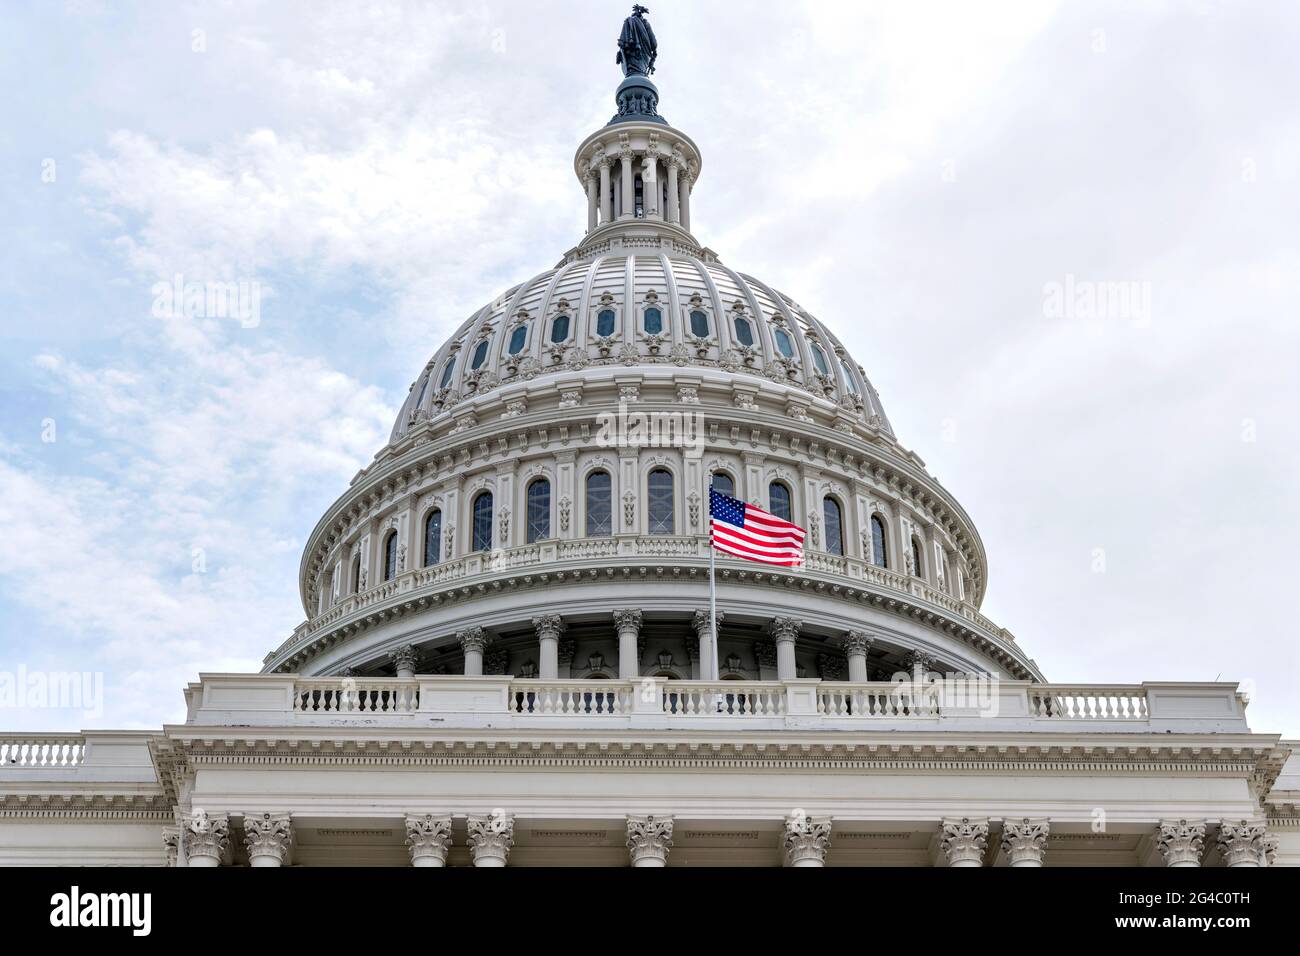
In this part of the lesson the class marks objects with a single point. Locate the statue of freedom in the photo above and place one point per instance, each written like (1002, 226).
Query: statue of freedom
(637, 46)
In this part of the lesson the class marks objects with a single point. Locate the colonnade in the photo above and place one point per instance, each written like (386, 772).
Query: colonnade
(806, 840)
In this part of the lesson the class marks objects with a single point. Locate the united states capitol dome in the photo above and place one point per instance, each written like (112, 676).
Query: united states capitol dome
(508, 529)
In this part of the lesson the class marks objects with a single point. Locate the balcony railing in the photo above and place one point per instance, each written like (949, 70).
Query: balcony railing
(977, 703)
(562, 555)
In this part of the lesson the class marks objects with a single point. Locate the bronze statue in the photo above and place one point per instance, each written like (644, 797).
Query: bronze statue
(637, 46)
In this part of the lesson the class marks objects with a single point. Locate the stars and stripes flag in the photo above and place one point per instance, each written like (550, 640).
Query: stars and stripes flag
(748, 532)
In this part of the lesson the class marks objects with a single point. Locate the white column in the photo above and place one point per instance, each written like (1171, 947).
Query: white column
(705, 633)
(606, 197)
(650, 185)
(649, 839)
(1244, 843)
(686, 200)
(268, 837)
(806, 840)
(490, 839)
(964, 841)
(404, 660)
(428, 838)
(206, 839)
(628, 623)
(592, 207)
(785, 632)
(674, 194)
(549, 627)
(629, 186)
(1025, 841)
(473, 642)
(1181, 842)
(856, 645)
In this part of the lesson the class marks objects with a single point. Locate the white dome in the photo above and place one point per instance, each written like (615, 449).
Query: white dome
(591, 311)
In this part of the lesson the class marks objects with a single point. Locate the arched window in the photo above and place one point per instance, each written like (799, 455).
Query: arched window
(433, 538)
(539, 510)
(446, 373)
(660, 502)
(849, 381)
(819, 359)
(480, 355)
(605, 323)
(560, 329)
(724, 484)
(482, 530)
(356, 574)
(778, 501)
(744, 332)
(699, 324)
(654, 322)
(783, 342)
(600, 505)
(390, 556)
(918, 560)
(834, 525)
(424, 387)
(879, 549)
(518, 339)
(639, 197)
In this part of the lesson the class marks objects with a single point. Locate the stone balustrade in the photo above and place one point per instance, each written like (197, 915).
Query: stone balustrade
(974, 704)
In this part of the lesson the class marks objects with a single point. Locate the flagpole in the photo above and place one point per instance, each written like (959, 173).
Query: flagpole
(713, 602)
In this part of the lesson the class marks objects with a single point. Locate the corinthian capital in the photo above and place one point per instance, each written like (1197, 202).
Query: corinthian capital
(627, 619)
(649, 839)
(268, 837)
(549, 625)
(701, 622)
(1025, 841)
(786, 629)
(964, 841)
(473, 639)
(206, 835)
(1181, 841)
(405, 657)
(490, 839)
(856, 642)
(806, 840)
(428, 838)
(1243, 843)
(172, 844)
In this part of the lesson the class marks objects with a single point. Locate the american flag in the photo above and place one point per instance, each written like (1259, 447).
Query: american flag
(752, 533)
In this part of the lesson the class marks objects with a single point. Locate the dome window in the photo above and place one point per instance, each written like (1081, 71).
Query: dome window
(744, 332)
(848, 378)
(518, 339)
(654, 322)
(480, 355)
(390, 557)
(539, 511)
(834, 526)
(783, 343)
(560, 329)
(661, 502)
(819, 359)
(446, 373)
(723, 484)
(433, 539)
(918, 561)
(699, 324)
(600, 502)
(482, 530)
(605, 323)
(778, 500)
(424, 387)
(879, 552)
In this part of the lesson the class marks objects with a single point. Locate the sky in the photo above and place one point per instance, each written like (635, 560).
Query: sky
(957, 189)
